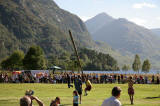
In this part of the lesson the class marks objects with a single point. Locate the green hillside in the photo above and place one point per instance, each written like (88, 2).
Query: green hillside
(41, 22)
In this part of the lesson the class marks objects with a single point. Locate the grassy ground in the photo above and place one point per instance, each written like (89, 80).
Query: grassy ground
(145, 95)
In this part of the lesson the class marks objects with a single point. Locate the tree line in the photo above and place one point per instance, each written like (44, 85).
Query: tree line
(136, 66)
(35, 59)
(89, 60)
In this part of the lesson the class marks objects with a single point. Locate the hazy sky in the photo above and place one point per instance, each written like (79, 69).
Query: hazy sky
(142, 12)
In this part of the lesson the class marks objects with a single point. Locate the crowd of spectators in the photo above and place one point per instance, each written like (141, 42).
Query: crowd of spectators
(28, 77)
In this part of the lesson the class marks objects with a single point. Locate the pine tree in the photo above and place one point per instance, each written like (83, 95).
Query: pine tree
(126, 67)
(13, 62)
(34, 59)
(136, 66)
(146, 66)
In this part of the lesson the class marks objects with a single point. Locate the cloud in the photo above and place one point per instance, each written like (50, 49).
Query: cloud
(139, 21)
(158, 18)
(142, 5)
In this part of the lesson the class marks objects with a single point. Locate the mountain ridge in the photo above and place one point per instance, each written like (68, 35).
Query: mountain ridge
(103, 18)
(156, 31)
(42, 22)
(130, 39)
(32, 22)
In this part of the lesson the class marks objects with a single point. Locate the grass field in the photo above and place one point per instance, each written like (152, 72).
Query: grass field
(145, 95)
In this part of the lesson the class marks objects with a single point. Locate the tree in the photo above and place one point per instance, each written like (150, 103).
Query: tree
(53, 61)
(146, 66)
(5, 64)
(74, 65)
(13, 62)
(126, 67)
(34, 59)
(98, 61)
(136, 66)
(64, 56)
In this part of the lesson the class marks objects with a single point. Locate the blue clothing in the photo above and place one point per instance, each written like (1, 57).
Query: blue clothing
(75, 100)
(78, 84)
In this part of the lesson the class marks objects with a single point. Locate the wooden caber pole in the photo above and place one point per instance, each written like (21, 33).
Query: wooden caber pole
(75, 50)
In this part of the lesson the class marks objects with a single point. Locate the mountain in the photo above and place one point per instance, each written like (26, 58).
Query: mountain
(41, 22)
(156, 31)
(27, 22)
(129, 39)
(98, 22)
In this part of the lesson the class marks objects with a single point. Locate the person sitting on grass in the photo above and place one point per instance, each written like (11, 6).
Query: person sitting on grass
(55, 102)
(75, 98)
(88, 86)
(27, 101)
(113, 101)
(130, 89)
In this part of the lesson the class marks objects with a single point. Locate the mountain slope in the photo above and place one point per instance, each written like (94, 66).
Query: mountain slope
(130, 39)
(98, 22)
(126, 36)
(41, 22)
(156, 31)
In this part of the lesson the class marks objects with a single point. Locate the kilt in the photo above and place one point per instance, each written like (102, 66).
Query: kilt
(79, 92)
(131, 91)
(88, 88)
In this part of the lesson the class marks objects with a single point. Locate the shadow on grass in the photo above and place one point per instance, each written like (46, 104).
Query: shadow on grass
(152, 97)
(4, 100)
(126, 104)
(66, 104)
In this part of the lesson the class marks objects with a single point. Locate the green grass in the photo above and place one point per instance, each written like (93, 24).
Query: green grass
(10, 94)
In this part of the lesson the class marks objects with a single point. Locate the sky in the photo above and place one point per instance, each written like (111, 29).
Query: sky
(142, 12)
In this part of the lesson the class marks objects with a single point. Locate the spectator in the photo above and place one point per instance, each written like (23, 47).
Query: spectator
(119, 79)
(27, 77)
(27, 101)
(113, 101)
(75, 98)
(146, 80)
(69, 81)
(55, 102)
(157, 80)
(153, 79)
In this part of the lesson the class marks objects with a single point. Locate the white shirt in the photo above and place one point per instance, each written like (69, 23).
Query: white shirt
(112, 101)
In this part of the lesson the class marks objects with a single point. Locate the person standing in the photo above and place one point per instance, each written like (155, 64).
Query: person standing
(157, 80)
(113, 100)
(69, 81)
(119, 79)
(130, 89)
(78, 86)
(75, 98)
(152, 79)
